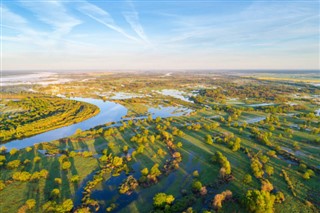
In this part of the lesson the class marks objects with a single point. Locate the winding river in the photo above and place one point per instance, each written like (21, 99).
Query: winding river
(109, 112)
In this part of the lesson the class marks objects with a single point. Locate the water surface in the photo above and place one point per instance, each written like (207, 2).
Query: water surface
(109, 112)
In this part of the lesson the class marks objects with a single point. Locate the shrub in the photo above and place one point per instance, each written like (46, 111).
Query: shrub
(196, 186)
(66, 165)
(160, 200)
(247, 179)
(36, 159)
(21, 176)
(75, 178)
(55, 192)
(219, 198)
(13, 164)
(58, 180)
(13, 151)
(31, 203)
(259, 201)
(195, 174)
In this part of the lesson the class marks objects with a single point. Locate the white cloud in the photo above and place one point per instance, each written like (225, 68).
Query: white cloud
(132, 17)
(103, 17)
(53, 13)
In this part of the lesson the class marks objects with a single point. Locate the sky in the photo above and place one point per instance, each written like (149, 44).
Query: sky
(159, 34)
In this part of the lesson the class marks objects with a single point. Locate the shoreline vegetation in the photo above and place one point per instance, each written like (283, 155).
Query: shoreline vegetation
(35, 115)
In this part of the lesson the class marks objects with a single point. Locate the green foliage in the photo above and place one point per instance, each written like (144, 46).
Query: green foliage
(160, 200)
(196, 186)
(259, 201)
(55, 192)
(21, 176)
(208, 139)
(58, 180)
(145, 171)
(269, 169)
(31, 203)
(66, 165)
(195, 174)
(87, 154)
(247, 179)
(2, 185)
(256, 167)
(39, 114)
(308, 174)
(236, 145)
(13, 164)
(225, 164)
(28, 149)
(36, 159)
(129, 185)
(13, 151)
(117, 161)
(2, 159)
(155, 170)
(287, 179)
(75, 178)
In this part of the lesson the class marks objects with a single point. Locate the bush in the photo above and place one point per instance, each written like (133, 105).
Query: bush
(75, 178)
(21, 176)
(58, 180)
(247, 179)
(160, 200)
(259, 201)
(31, 203)
(13, 151)
(13, 164)
(145, 171)
(36, 159)
(66, 165)
(308, 174)
(55, 192)
(196, 186)
(219, 198)
(195, 174)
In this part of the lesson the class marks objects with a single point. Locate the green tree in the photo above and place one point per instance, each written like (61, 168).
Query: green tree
(55, 192)
(196, 186)
(160, 200)
(117, 161)
(31, 203)
(209, 139)
(247, 179)
(58, 180)
(259, 201)
(66, 165)
(13, 151)
(155, 170)
(28, 149)
(269, 170)
(145, 171)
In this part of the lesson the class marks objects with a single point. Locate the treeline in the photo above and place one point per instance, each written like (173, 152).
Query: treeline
(35, 115)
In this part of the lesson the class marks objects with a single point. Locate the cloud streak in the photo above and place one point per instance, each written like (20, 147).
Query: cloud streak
(132, 17)
(53, 13)
(103, 17)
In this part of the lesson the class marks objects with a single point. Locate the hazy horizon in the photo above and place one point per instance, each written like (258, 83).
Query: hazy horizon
(150, 35)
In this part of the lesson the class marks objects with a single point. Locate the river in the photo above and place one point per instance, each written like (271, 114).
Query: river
(109, 112)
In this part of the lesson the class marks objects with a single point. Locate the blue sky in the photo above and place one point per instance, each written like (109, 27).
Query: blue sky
(204, 34)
